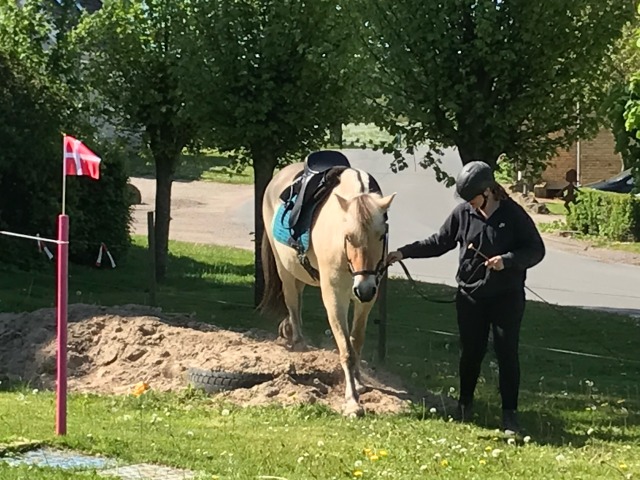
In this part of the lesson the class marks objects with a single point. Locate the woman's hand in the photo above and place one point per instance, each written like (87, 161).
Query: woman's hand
(495, 263)
(393, 257)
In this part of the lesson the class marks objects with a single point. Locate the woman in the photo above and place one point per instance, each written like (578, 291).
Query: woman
(498, 243)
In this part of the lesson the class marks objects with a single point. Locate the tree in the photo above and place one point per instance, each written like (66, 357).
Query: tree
(520, 78)
(137, 64)
(278, 73)
(623, 100)
(40, 99)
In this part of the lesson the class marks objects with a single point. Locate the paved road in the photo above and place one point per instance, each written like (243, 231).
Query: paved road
(422, 204)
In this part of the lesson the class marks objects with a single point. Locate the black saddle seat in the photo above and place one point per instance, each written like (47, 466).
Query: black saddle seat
(311, 186)
(323, 160)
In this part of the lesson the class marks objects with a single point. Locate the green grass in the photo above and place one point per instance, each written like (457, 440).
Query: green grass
(354, 135)
(592, 240)
(556, 208)
(211, 166)
(207, 165)
(581, 412)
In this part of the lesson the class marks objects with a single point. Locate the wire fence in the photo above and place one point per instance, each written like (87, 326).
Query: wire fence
(230, 297)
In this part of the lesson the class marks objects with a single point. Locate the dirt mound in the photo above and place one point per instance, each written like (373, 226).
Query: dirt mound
(113, 348)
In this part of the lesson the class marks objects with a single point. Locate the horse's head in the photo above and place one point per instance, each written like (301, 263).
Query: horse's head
(365, 240)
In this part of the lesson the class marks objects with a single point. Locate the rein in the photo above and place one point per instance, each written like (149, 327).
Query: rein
(414, 286)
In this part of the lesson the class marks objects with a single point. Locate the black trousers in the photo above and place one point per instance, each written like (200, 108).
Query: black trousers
(475, 316)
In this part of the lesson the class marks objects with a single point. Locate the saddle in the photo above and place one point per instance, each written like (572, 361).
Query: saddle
(311, 187)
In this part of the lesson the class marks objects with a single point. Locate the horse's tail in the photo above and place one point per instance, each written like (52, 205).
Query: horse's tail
(272, 298)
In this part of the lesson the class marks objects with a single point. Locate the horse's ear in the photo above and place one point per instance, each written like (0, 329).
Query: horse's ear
(344, 203)
(385, 202)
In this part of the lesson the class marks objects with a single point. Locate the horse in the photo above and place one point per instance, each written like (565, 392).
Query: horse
(344, 255)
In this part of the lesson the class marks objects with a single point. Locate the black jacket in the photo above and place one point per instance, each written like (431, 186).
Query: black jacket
(509, 232)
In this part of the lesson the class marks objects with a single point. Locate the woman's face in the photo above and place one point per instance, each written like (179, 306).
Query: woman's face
(477, 201)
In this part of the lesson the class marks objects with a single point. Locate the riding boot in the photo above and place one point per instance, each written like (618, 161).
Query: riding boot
(510, 423)
(464, 412)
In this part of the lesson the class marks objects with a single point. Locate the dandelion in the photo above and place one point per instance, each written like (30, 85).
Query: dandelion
(423, 468)
(357, 463)
(225, 412)
(495, 453)
(383, 453)
(590, 431)
(320, 443)
(560, 458)
(487, 448)
(444, 463)
(622, 466)
(374, 458)
(357, 473)
(482, 461)
(367, 451)
(432, 410)
(527, 439)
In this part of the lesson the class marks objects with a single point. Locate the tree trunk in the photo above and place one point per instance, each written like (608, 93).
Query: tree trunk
(263, 166)
(165, 165)
(335, 133)
(470, 151)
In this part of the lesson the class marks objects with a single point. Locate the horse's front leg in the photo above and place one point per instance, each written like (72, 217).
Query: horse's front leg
(358, 331)
(336, 302)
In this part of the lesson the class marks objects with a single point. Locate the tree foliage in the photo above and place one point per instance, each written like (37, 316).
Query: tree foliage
(137, 63)
(623, 102)
(521, 78)
(39, 101)
(277, 74)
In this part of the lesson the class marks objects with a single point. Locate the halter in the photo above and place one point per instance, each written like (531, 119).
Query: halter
(381, 267)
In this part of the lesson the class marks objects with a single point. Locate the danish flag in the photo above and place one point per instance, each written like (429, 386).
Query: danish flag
(79, 160)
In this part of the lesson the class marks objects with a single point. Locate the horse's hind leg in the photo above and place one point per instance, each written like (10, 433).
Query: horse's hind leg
(358, 331)
(337, 305)
(290, 328)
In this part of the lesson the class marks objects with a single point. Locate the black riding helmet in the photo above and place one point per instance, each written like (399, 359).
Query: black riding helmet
(474, 178)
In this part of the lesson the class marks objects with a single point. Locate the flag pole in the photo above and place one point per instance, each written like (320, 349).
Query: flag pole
(61, 307)
(64, 175)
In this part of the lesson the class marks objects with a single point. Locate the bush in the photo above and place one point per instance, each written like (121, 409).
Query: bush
(614, 216)
(30, 178)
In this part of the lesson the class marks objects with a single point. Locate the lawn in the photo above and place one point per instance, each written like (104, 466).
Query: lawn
(210, 165)
(580, 409)
(207, 165)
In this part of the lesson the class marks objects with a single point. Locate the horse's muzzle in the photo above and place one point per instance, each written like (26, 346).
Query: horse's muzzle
(365, 292)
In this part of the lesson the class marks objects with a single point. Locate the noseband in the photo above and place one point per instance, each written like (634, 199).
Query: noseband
(380, 267)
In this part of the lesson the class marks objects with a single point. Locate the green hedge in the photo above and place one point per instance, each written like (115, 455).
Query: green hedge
(614, 216)
(31, 173)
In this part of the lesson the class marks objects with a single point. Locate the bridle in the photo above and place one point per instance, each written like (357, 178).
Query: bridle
(381, 267)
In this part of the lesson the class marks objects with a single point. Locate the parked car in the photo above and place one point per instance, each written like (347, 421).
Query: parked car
(621, 183)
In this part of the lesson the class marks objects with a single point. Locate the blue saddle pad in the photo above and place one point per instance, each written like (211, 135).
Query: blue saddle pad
(281, 231)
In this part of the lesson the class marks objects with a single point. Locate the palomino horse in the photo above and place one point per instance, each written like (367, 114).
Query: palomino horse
(344, 254)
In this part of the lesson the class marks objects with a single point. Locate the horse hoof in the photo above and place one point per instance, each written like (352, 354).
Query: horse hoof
(285, 330)
(283, 342)
(353, 410)
(299, 347)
